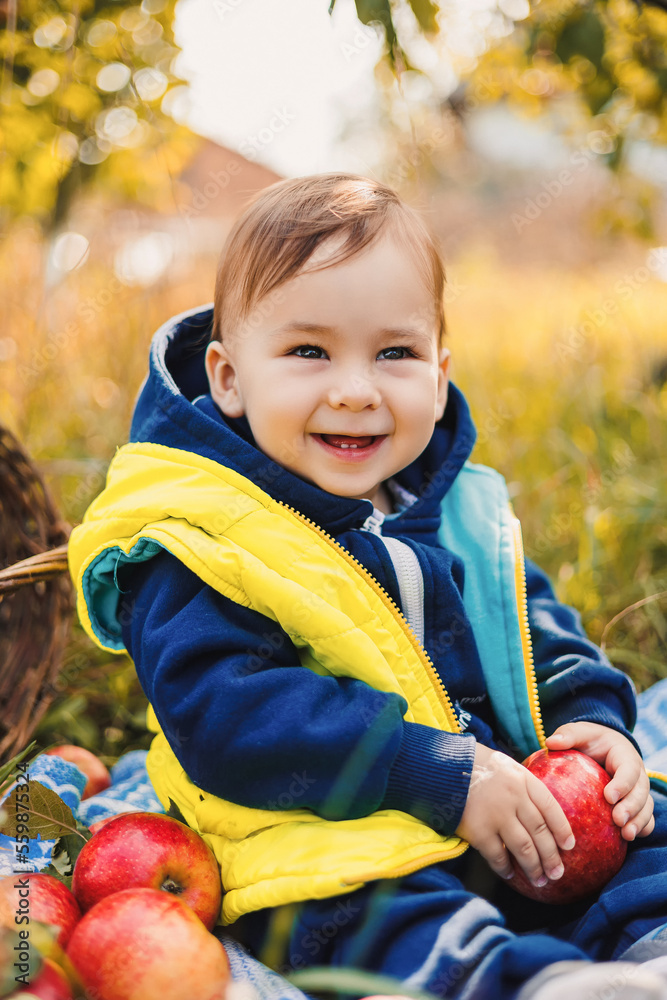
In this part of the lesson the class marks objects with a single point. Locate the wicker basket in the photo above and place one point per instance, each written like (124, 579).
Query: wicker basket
(36, 598)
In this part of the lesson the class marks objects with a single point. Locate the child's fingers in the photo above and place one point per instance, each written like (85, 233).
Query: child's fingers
(521, 844)
(496, 856)
(542, 858)
(629, 787)
(632, 805)
(649, 828)
(562, 738)
(551, 812)
(639, 822)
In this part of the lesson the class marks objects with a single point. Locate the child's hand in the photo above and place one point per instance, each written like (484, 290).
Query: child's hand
(629, 786)
(510, 810)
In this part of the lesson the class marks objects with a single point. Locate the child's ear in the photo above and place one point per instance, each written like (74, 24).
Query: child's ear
(443, 382)
(223, 380)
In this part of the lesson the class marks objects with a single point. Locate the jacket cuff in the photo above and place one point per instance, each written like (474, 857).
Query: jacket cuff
(591, 710)
(430, 776)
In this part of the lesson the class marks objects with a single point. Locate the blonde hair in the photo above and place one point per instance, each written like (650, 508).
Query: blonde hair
(284, 225)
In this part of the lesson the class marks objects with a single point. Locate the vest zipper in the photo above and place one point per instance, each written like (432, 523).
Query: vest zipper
(391, 604)
(410, 583)
(524, 630)
(408, 573)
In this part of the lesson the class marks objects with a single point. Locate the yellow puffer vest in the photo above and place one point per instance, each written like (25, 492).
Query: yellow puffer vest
(267, 557)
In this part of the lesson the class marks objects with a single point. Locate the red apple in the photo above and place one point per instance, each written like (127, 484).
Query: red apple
(51, 983)
(152, 851)
(143, 944)
(577, 782)
(94, 827)
(93, 768)
(40, 897)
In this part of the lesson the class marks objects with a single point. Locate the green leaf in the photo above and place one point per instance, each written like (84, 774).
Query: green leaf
(369, 11)
(67, 849)
(47, 814)
(321, 978)
(582, 35)
(56, 873)
(426, 13)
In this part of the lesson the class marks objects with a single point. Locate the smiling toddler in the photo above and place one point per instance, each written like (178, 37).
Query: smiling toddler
(345, 652)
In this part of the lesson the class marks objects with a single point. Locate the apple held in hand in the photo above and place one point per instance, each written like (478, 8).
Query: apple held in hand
(93, 768)
(40, 897)
(142, 944)
(153, 851)
(577, 782)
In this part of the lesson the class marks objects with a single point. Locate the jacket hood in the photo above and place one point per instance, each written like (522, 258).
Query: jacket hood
(174, 408)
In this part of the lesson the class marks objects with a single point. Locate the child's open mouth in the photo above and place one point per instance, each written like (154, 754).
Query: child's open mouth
(350, 447)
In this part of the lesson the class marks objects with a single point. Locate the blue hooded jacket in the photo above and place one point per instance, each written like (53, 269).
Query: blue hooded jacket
(243, 717)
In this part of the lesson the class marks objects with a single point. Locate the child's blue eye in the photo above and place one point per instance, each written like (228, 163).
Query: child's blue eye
(308, 351)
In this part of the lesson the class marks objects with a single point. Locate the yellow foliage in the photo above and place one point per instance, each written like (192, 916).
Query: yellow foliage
(585, 439)
(55, 39)
(80, 101)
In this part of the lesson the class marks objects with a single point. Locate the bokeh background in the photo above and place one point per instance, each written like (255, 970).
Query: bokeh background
(530, 135)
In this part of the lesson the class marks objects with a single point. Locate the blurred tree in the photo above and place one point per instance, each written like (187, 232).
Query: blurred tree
(606, 58)
(81, 99)
(598, 67)
(621, 40)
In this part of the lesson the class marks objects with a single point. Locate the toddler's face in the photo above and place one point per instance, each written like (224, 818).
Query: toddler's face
(342, 380)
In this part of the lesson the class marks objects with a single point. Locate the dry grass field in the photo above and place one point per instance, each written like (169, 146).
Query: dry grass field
(565, 371)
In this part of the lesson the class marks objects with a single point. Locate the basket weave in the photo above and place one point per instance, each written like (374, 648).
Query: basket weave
(35, 596)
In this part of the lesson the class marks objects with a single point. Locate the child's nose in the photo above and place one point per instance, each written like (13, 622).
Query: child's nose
(355, 390)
